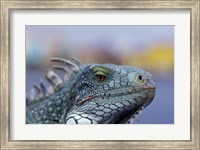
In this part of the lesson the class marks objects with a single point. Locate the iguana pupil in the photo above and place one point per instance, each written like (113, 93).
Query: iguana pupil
(90, 94)
(100, 77)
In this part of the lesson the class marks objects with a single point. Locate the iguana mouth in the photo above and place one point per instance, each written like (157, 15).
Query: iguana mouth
(123, 92)
(149, 86)
(92, 96)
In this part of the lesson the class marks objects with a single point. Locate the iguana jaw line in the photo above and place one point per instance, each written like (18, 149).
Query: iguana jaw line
(149, 85)
(130, 92)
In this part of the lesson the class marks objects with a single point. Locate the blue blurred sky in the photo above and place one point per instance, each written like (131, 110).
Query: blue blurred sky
(121, 39)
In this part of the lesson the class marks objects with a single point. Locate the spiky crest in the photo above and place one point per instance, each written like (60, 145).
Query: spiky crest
(40, 92)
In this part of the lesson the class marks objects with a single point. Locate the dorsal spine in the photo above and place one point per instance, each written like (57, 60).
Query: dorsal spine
(40, 92)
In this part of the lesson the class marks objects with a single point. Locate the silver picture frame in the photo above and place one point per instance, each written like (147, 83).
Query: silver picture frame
(194, 8)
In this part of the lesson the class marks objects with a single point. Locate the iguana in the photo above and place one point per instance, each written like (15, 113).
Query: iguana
(90, 94)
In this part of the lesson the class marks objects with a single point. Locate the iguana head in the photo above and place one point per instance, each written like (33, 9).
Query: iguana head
(107, 93)
(95, 93)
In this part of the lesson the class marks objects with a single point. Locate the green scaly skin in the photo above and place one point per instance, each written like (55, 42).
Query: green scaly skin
(95, 94)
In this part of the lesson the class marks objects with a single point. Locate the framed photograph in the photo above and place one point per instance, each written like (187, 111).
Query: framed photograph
(100, 74)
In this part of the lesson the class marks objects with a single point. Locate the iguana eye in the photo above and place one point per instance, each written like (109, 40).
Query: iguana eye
(100, 73)
(100, 76)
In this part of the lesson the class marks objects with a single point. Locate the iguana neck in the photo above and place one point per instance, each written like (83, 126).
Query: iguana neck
(53, 108)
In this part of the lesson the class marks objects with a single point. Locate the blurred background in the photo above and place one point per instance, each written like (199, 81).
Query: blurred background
(147, 47)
